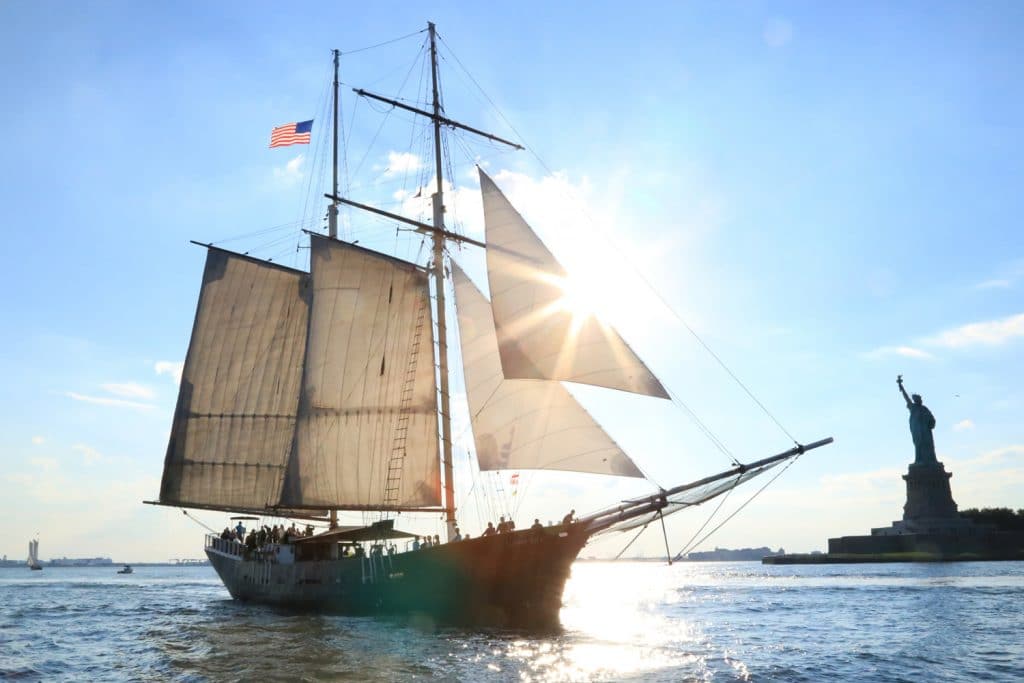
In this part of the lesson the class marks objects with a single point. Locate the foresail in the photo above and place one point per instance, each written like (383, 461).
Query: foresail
(537, 337)
(524, 424)
(239, 394)
(369, 389)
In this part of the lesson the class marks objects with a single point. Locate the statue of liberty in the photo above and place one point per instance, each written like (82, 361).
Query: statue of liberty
(921, 424)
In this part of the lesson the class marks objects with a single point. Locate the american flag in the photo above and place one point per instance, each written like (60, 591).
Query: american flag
(291, 134)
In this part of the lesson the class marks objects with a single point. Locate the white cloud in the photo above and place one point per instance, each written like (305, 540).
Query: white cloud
(45, 464)
(402, 162)
(103, 401)
(986, 333)
(904, 351)
(856, 483)
(777, 32)
(37, 440)
(89, 454)
(172, 368)
(129, 390)
(993, 284)
(963, 425)
(291, 172)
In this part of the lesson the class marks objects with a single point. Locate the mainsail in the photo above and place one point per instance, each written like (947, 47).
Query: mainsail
(537, 337)
(367, 431)
(524, 424)
(237, 406)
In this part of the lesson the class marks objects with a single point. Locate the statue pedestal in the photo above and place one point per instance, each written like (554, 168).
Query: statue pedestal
(928, 493)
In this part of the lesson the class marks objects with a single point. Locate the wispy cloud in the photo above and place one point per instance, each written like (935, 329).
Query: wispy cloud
(903, 351)
(37, 440)
(171, 368)
(963, 425)
(129, 390)
(402, 162)
(985, 333)
(89, 454)
(291, 172)
(1007, 276)
(994, 284)
(45, 464)
(105, 401)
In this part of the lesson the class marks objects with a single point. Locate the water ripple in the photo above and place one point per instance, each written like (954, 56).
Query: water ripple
(708, 622)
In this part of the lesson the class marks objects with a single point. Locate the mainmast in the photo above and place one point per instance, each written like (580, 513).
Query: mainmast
(439, 234)
(442, 329)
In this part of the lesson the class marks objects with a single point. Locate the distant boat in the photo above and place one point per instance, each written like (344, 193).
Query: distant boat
(33, 555)
(127, 570)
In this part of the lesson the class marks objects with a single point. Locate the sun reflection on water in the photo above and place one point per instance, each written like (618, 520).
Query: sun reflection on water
(616, 628)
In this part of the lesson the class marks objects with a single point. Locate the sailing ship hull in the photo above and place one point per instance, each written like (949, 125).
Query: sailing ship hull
(508, 580)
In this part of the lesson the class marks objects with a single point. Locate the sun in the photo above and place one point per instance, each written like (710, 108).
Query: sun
(579, 298)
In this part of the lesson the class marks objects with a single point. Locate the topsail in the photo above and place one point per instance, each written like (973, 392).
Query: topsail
(537, 337)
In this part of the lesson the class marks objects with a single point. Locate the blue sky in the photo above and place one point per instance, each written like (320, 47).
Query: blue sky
(829, 195)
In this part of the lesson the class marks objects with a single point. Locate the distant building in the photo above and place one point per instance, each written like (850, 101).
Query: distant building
(728, 555)
(80, 562)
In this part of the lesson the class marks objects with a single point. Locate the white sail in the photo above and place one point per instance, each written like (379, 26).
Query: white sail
(239, 395)
(369, 402)
(537, 337)
(524, 424)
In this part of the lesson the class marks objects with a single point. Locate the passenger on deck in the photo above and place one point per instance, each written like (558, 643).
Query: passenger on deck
(416, 543)
(226, 534)
(457, 536)
(502, 525)
(437, 540)
(537, 526)
(490, 530)
(239, 531)
(569, 518)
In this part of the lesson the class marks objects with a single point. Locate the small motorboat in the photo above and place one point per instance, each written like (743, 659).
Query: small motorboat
(127, 569)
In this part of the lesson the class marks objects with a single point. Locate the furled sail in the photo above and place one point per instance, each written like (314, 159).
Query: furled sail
(524, 424)
(367, 431)
(239, 396)
(537, 337)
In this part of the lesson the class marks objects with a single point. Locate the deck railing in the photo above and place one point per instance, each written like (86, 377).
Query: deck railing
(227, 546)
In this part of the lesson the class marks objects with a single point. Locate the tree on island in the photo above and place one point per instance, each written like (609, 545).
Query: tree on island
(1003, 519)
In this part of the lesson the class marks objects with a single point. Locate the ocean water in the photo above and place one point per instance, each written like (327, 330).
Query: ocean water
(622, 621)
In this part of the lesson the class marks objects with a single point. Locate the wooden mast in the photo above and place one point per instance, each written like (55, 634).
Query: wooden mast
(439, 234)
(332, 209)
(442, 329)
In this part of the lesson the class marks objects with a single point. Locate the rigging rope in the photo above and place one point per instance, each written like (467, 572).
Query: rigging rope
(632, 265)
(737, 510)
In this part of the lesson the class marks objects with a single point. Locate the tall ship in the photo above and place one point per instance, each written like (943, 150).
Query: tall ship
(33, 555)
(309, 393)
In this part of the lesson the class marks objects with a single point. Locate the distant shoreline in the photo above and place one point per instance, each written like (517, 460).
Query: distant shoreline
(112, 565)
